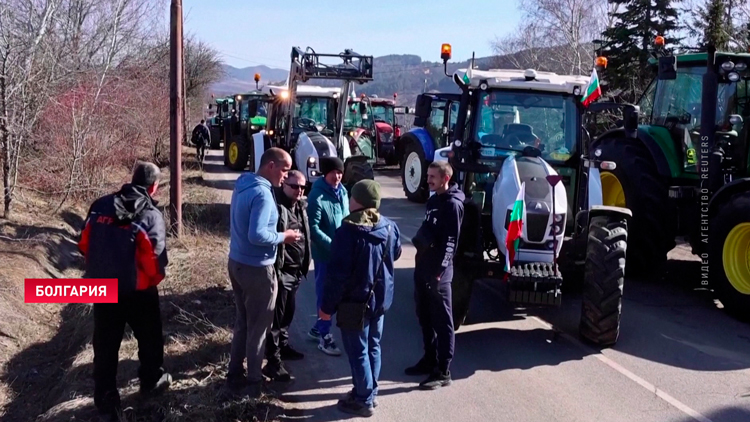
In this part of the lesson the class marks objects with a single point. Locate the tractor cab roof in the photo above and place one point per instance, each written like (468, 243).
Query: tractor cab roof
(304, 90)
(528, 79)
(695, 59)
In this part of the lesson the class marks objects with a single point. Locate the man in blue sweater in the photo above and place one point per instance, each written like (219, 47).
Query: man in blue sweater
(252, 254)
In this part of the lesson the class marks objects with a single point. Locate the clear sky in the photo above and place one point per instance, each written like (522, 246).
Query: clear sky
(249, 32)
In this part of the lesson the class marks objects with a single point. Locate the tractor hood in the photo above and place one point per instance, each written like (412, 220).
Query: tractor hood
(383, 127)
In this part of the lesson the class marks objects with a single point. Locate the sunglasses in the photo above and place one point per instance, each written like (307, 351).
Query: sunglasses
(298, 187)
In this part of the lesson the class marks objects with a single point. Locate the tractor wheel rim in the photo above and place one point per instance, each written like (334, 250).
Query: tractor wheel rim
(233, 152)
(413, 172)
(612, 192)
(735, 256)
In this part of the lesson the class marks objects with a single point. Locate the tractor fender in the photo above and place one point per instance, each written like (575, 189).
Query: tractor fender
(424, 138)
(597, 210)
(662, 165)
(724, 193)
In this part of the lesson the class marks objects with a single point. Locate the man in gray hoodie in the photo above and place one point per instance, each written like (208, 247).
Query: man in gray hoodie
(252, 254)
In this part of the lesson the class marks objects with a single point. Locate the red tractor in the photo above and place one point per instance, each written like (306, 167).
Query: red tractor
(387, 130)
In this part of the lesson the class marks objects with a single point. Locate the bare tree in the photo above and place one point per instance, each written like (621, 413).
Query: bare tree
(555, 35)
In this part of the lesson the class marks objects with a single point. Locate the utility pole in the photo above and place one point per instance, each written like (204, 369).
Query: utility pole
(176, 118)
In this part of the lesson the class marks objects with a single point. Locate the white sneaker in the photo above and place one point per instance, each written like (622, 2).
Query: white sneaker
(328, 346)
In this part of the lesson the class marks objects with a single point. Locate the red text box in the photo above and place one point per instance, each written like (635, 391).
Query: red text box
(70, 290)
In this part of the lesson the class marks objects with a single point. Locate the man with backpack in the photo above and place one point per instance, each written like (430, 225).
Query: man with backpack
(124, 238)
(201, 139)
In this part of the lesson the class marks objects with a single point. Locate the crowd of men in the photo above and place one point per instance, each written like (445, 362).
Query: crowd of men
(275, 234)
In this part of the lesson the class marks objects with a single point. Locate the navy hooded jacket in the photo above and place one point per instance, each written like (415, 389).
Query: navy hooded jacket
(437, 238)
(359, 244)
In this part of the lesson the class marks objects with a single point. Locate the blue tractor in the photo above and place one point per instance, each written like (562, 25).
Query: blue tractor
(418, 146)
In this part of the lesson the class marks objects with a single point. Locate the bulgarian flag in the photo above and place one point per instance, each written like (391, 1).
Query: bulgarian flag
(593, 91)
(468, 74)
(515, 229)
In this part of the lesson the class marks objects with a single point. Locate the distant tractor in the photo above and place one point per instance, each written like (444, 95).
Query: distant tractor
(238, 129)
(387, 129)
(416, 148)
(520, 155)
(687, 173)
(224, 108)
(310, 122)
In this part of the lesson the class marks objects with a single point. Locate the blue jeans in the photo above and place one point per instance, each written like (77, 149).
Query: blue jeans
(323, 327)
(363, 350)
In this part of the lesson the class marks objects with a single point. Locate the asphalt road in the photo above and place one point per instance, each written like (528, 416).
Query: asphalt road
(679, 358)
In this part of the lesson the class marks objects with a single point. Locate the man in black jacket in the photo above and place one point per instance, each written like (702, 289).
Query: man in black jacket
(124, 238)
(201, 139)
(436, 242)
(292, 263)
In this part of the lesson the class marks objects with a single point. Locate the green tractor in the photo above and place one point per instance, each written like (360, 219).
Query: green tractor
(239, 128)
(687, 174)
(224, 107)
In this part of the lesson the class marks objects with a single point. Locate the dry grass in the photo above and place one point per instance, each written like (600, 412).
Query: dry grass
(46, 348)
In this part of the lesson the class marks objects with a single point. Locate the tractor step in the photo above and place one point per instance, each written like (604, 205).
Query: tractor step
(535, 283)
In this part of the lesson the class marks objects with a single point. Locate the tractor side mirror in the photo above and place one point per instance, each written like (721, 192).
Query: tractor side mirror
(736, 121)
(630, 120)
(210, 106)
(667, 68)
(252, 108)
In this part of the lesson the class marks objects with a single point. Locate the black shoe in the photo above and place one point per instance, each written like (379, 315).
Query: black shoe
(351, 406)
(423, 367)
(288, 353)
(159, 387)
(436, 380)
(253, 390)
(277, 372)
(350, 396)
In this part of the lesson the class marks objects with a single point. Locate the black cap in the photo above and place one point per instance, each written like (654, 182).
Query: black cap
(328, 164)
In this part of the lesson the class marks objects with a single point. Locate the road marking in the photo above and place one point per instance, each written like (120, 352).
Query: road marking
(640, 381)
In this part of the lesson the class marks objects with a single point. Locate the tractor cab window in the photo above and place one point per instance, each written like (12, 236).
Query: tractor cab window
(314, 111)
(676, 105)
(384, 113)
(507, 122)
(355, 119)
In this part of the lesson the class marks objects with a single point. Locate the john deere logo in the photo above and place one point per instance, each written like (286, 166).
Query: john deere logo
(691, 156)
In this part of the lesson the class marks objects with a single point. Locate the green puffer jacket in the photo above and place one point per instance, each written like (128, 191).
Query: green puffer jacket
(325, 211)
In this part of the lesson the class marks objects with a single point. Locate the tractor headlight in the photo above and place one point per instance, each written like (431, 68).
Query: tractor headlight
(727, 65)
(740, 66)
(253, 127)
(310, 162)
(734, 76)
(559, 218)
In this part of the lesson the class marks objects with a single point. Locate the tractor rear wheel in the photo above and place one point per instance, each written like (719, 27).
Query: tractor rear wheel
(603, 279)
(356, 170)
(238, 152)
(635, 183)
(414, 172)
(728, 259)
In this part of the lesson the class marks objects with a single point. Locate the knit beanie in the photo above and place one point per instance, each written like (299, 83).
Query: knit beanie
(329, 164)
(367, 193)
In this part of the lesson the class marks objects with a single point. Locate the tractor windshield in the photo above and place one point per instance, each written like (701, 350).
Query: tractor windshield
(355, 119)
(677, 102)
(507, 122)
(384, 113)
(317, 111)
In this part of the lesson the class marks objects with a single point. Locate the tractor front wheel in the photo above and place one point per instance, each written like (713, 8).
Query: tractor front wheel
(728, 260)
(603, 279)
(237, 154)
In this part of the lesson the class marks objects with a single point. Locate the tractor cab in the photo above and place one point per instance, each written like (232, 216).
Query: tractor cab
(673, 105)
(359, 128)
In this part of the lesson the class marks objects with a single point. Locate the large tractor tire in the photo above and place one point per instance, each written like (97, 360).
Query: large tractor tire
(729, 268)
(636, 184)
(414, 172)
(468, 261)
(357, 168)
(603, 279)
(238, 153)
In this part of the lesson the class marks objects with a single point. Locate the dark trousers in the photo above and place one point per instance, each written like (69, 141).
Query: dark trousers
(277, 337)
(140, 310)
(433, 303)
